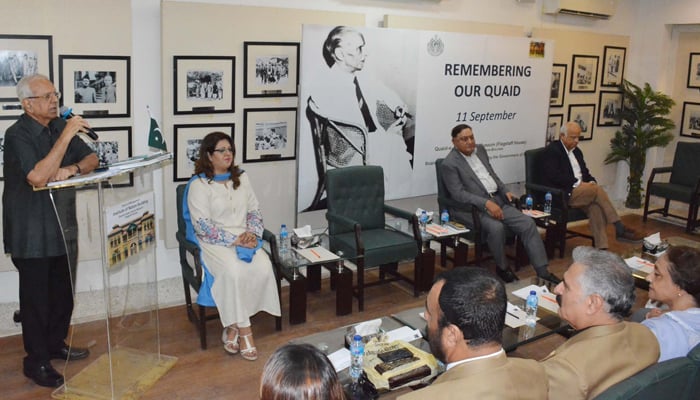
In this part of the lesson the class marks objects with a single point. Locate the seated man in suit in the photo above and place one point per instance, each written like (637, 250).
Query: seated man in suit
(470, 179)
(465, 313)
(564, 168)
(596, 294)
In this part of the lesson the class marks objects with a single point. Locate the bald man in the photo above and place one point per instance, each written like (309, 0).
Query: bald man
(564, 168)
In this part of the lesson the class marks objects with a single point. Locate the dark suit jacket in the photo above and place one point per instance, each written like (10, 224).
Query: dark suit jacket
(464, 186)
(557, 168)
(494, 378)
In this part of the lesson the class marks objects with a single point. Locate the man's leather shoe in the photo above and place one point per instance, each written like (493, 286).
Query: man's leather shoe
(70, 353)
(630, 236)
(550, 277)
(506, 275)
(44, 375)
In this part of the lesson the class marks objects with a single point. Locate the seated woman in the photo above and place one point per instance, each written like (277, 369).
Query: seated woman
(227, 221)
(299, 372)
(675, 282)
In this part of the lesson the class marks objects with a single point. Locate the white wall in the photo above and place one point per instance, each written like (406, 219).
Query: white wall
(645, 21)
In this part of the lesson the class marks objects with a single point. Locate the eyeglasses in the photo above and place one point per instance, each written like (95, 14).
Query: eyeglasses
(224, 151)
(47, 96)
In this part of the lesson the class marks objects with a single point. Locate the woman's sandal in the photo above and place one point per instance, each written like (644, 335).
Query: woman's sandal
(250, 353)
(230, 345)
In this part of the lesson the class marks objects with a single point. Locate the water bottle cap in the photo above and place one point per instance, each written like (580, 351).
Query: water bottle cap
(357, 338)
(533, 292)
(284, 225)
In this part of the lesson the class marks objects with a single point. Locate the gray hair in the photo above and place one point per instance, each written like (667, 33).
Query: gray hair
(564, 130)
(607, 275)
(24, 89)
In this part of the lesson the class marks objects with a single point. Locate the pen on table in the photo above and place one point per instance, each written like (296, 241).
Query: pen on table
(314, 253)
(512, 315)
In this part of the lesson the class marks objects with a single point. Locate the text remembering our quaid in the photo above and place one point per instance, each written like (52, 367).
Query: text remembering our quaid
(488, 70)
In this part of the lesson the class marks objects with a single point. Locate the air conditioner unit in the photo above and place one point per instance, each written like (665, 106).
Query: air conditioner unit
(602, 9)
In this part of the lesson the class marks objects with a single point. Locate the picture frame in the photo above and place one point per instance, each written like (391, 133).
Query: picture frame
(694, 71)
(269, 134)
(96, 86)
(690, 121)
(610, 108)
(584, 73)
(584, 114)
(115, 144)
(613, 66)
(22, 55)
(4, 124)
(188, 138)
(204, 84)
(270, 69)
(558, 88)
(554, 123)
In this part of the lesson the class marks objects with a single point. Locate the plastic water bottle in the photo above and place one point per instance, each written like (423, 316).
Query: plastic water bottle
(357, 354)
(423, 221)
(548, 203)
(531, 308)
(444, 217)
(284, 241)
(528, 202)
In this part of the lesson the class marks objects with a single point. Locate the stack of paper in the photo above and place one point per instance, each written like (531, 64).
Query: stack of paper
(317, 254)
(547, 300)
(640, 264)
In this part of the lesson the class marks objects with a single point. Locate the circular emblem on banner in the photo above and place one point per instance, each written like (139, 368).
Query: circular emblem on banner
(435, 46)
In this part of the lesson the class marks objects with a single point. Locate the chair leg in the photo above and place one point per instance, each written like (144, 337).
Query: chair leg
(361, 284)
(646, 205)
(202, 327)
(443, 253)
(188, 301)
(692, 217)
(666, 204)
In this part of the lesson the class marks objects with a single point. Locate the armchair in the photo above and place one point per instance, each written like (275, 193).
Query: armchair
(193, 274)
(356, 226)
(678, 378)
(683, 185)
(336, 144)
(562, 214)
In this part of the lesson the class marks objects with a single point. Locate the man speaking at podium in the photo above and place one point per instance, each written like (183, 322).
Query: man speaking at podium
(41, 148)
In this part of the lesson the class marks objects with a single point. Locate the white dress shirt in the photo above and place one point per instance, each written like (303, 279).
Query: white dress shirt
(574, 165)
(481, 172)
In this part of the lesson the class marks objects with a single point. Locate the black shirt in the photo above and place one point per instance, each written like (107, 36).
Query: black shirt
(30, 226)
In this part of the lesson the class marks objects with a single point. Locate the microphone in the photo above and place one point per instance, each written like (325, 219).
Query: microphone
(67, 113)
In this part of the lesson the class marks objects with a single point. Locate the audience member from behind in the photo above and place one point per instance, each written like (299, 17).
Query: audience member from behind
(597, 292)
(465, 313)
(299, 372)
(226, 219)
(675, 282)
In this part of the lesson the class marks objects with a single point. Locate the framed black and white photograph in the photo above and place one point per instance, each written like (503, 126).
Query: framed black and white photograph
(584, 114)
(21, 55)
(114, 145)
(556, 96)
(584, 73)
(613, 66)
(690, 121)
(4, 124)
(96, 86)
(269, 134)
(204, 84)
(554, 123)
(270, 69)
(610, 108)
(188, 139)
(694, 71)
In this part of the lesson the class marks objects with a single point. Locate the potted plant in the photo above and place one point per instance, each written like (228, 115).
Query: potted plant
(644, 126)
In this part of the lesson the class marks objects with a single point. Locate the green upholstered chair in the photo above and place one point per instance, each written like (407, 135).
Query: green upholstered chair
(677, 379)
(356, 226)
(562, 214)
(683, 184)
(445, 201)
(192, 272)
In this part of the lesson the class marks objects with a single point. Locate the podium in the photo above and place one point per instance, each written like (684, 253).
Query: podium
(125, 360)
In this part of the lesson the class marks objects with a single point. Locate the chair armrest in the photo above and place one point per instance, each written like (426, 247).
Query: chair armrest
(340, 219)
(397, 212)
(189, 246)
(654, 171)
